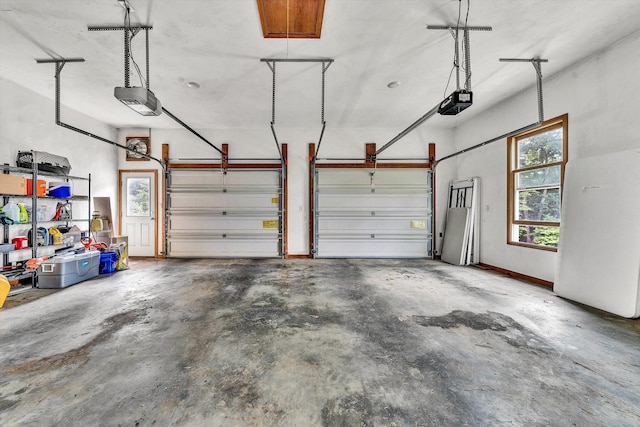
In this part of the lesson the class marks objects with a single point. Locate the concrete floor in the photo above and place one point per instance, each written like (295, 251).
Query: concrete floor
(314, 343)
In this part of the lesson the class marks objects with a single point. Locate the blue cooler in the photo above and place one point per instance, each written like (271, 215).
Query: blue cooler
(60, 189)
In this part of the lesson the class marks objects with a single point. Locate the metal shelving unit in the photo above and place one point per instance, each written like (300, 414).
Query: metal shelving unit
(13, 262)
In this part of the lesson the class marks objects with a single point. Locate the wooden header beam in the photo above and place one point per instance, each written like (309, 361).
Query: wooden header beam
(370, 161)
(225, 162)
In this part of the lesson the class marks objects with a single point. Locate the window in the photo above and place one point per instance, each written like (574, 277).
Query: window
(138, 197)
(536, 170)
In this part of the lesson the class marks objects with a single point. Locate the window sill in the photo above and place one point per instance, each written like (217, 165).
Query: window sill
(533, 246)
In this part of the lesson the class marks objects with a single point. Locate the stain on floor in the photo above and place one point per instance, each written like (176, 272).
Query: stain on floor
(348, 411)
(80, 355)
(516, 334)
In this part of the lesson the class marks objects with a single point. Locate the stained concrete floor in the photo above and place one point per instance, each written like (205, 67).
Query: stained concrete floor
(314, 343)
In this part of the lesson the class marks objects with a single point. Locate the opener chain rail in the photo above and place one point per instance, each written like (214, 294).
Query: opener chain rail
(59, 66)
(127, 47)
(536, 65)
(434, 110)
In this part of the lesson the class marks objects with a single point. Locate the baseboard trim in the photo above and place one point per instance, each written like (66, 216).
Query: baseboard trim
(298, 257)
(521, 276)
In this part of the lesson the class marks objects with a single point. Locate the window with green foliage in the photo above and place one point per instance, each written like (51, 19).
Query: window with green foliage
(138, 197)
(536, 170)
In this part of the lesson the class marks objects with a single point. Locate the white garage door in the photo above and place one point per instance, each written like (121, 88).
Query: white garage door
(213, 214)
(362, 213)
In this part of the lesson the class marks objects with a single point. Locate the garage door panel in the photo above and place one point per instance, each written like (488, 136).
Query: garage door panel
(373, 200)
(207, 178)
(218, 201)
(237, 214)
(194, 248)
(222, 224)
(373, 248)
(393, 225)
(364, 213)
(343, 178)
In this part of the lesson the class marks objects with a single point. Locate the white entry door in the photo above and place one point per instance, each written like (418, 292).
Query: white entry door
(138, 211)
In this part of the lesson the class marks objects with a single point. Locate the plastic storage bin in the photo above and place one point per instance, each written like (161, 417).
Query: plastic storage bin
(67, 270)
(108, 262)
(7, 247)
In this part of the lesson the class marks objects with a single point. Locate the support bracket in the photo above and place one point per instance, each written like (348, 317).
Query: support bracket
(129, 31)
(135, 28)
(271, 63)
(59, 65)
(454, 32)
(536, 65)
(454, 29)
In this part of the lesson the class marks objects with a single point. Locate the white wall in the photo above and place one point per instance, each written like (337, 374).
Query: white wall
(27, 122)
(600, 94)
(259, 143)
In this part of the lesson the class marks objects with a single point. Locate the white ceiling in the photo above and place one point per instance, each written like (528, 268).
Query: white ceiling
(219, 44)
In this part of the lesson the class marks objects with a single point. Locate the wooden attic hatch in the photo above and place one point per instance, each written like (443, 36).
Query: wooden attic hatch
(300, 19)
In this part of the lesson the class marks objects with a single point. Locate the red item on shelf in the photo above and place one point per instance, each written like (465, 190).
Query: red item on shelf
(41, 188)
(21, 242)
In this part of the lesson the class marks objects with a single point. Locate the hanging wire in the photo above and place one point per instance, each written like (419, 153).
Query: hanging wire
(130, 51)
(287, 29)
(466, 19)
(448, 81)
(143, 82)
(456, 54)
(466, 23)
(467, 51)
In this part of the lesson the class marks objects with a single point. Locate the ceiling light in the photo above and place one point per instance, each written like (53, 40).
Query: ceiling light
(394, 84)
(192, 85)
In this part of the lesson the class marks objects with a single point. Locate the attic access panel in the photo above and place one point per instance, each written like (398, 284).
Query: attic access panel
(300, 19)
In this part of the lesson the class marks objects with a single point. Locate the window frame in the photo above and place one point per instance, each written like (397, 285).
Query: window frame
(560, 122)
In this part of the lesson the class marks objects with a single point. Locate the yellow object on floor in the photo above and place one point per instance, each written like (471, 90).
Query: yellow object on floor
(4, 289)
